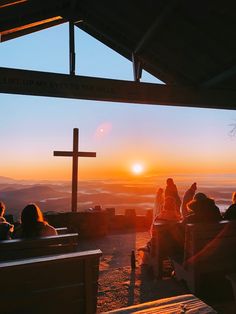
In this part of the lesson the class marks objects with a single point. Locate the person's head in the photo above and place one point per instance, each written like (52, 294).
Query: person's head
(31, 214)
(200, 197)
(160, 191)
(234, 198)
(169, 181)
(199, 202)
(2, 209)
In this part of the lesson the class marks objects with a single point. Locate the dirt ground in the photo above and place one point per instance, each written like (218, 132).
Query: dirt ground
(119, 285)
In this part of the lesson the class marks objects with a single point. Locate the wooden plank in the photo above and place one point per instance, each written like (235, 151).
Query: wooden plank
(24, 248)
(25, 82)
(208, 230)
(56, 283)
(172, 305)
(209, 254)
(62, 230)
(39, 242)
(88, 279)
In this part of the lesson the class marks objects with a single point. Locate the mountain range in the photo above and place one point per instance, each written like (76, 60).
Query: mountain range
(138, 194)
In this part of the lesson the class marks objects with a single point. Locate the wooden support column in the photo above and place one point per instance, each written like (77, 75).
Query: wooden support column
(72, 47)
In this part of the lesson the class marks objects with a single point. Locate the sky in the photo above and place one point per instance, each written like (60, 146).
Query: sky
(157, 139)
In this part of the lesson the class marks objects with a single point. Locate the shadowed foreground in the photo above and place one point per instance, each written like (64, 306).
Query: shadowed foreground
(120, 286)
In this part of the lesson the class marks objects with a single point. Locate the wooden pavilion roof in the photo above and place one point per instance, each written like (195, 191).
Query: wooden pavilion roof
(183, 43)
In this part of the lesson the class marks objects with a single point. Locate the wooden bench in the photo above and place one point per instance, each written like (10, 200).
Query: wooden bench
(209, 254)
(167, 239)
(51, 284)
(186, 303)
(24, 248)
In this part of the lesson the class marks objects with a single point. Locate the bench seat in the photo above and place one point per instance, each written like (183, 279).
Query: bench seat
(209, 254)
(59, 284)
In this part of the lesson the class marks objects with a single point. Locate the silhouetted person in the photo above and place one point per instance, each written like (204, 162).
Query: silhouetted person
(203, 209)
(170, 210)
(158, 206)
(159, 202)
(230, 213)
(6, 228)
(171, 190)
(33, 224)
(188, 196)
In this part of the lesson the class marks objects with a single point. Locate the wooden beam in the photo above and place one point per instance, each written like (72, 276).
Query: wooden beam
(155, 25)
(13, 81)
(28, 29)
(72, 47)
(219, 78)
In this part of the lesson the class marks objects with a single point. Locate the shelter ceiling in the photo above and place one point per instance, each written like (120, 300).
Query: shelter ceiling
(185, 43)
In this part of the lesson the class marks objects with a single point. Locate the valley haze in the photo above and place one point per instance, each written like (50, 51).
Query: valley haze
(137, 193)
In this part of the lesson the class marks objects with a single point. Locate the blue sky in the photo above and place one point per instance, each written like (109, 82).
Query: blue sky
(163, 139)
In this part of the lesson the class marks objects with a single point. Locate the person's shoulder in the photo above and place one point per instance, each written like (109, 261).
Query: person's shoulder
(209, 201)
(17, 231)
(232, 207)
(2, 220)
(230, 212)
(50, 230)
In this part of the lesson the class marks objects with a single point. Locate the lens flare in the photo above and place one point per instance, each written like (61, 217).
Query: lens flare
(103, 130)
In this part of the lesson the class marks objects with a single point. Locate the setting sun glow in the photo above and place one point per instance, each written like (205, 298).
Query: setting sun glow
(137, 168)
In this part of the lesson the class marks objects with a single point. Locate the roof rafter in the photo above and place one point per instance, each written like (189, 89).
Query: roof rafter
(153, 28)
(219, 78)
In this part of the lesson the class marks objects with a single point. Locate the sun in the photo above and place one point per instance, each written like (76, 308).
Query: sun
(137, 168)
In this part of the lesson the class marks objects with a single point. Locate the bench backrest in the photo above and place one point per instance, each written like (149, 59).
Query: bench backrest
(210, 244)
(62, 230)
(167, 238)
(25, 248)
(52, 284)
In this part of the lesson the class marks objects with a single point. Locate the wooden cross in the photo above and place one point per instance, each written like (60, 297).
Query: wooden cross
(74, 154)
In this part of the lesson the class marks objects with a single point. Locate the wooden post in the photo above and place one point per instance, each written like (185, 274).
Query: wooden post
(72, 47)
(75, 171)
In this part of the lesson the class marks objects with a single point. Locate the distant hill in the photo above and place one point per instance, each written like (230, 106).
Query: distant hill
(55, 196)
(17, 199)
(29, 194)
(7, 180)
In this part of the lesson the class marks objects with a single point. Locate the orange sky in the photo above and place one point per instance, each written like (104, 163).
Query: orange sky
(163, 139)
